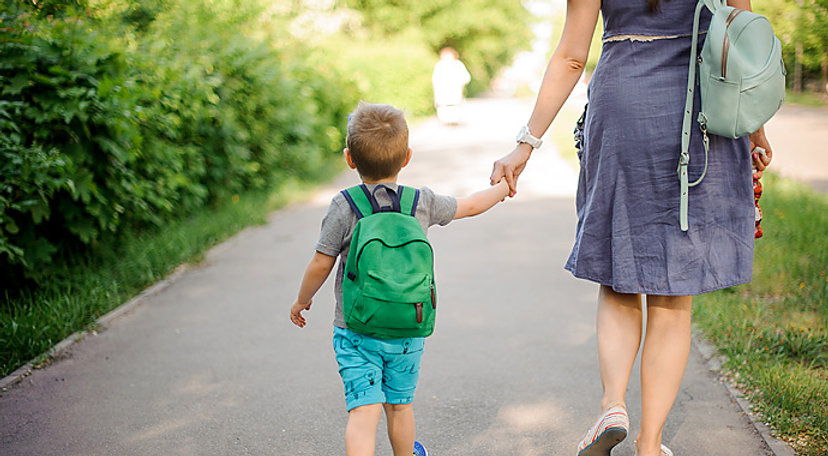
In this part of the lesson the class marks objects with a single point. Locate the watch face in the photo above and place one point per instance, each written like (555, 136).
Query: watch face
(524, 136)
(521, 136)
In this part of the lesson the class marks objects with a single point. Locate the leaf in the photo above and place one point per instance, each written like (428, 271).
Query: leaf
(17, 84)
(11, 227)
(39, 251)
(39, 211)
(84, 229)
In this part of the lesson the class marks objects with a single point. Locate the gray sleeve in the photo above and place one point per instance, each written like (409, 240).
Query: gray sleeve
(440, 209)
(334, 227)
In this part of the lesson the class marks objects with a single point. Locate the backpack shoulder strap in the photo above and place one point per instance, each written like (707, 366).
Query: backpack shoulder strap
(409, 198)
(360, 200)
(713, 5)
(684, 158)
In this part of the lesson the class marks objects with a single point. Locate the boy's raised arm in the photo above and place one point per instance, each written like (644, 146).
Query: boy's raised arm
(316, 273)
(481, 201)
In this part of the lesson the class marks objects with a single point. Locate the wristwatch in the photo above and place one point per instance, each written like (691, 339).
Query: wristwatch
(524, 136)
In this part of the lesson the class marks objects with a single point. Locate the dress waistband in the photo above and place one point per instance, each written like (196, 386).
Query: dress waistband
(645, 37)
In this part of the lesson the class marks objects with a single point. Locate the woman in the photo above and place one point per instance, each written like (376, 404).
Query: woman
(628, 238)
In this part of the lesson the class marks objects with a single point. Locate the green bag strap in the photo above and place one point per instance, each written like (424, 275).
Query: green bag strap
(359, 198)
(684, 159)
(409, 198)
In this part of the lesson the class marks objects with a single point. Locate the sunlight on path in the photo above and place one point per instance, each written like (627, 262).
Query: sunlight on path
(457, 160)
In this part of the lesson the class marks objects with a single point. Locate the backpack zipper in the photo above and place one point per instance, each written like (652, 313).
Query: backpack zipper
(419, 307)
(359, 254)
(726, 41)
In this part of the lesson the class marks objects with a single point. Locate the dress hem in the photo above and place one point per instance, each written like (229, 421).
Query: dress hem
(654, 293)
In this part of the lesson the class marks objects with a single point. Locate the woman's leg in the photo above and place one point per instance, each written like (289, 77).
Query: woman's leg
(361, 431)
(401, 431)
(619, 336)
(663, 360)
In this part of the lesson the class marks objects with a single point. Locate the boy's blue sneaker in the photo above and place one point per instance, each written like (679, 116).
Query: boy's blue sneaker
(419, 449)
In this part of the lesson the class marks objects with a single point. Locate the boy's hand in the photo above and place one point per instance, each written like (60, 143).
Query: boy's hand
(510, 167)
(296, 313)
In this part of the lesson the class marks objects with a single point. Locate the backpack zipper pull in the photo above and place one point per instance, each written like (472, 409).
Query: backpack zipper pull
(419, 307)
(433, 298)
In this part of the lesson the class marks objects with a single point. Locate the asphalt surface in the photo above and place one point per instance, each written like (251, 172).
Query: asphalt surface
(796, 133)
(211, 365)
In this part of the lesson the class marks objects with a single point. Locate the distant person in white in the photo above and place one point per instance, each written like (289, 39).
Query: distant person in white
(449, 78)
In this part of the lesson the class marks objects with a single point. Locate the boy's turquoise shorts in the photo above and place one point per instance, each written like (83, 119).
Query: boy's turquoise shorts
(377, 371)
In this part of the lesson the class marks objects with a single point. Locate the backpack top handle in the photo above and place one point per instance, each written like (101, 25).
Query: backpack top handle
(395, 199)
(364, 202)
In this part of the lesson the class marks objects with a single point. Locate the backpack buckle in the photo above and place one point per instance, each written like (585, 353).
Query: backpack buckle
(702, 120)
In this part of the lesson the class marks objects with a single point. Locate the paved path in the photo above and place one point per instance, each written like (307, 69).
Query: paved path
(799, 135)
(212, 366)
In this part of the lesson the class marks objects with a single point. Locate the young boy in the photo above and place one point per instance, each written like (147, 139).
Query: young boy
(378, 373)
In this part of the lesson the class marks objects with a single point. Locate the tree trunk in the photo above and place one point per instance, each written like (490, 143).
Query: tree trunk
(797, 84)
(825, 71)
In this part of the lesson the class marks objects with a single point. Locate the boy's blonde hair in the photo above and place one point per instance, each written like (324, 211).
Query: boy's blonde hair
(377, 139)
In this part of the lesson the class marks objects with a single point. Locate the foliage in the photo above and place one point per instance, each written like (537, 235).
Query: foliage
(91, 284)
(486, 33)
(104, 134)
(122, 121)
(774, 330)
(45, 8)
(803, 22)
(390, 48)
(394, 71)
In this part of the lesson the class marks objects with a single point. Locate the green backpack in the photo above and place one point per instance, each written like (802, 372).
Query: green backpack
(742, 82)
(388, 289)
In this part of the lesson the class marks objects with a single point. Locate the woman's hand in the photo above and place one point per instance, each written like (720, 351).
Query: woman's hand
(760, 161)
(510, 167)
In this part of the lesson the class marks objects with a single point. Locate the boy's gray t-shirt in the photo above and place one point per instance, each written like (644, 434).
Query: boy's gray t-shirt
(338, 226)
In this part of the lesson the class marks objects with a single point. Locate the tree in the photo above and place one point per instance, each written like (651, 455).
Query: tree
(486, 33)
(802, 26)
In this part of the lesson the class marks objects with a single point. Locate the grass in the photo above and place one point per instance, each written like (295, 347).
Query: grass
(806, 98)
(772, 332)
(86, 288)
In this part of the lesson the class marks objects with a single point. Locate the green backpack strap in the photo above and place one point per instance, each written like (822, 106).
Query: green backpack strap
(364, 203)
(359, 198)
(409, 198)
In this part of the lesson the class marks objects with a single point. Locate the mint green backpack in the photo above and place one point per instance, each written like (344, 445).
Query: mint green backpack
(741, 77)
(388, 289)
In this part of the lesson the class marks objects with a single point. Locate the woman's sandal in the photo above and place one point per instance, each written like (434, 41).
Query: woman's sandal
(610, 429)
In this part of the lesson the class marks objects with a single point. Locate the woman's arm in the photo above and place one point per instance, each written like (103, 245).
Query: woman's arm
(562, 73)
(741, 4)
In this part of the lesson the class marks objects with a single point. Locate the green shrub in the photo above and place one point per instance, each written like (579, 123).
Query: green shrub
(486, 33)
(67, 138)
(105, 132)
(393, 71)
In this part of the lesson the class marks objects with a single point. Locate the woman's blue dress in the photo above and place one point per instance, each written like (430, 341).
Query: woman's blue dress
(628, 234)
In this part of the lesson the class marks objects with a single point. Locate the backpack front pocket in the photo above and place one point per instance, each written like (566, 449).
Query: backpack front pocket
(399, 302)
(762, 93)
